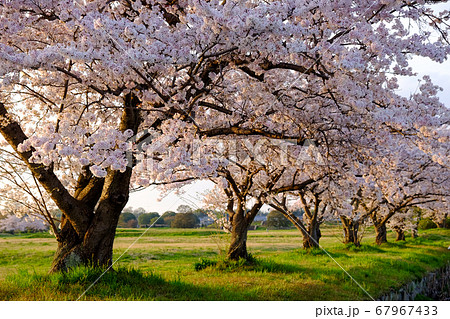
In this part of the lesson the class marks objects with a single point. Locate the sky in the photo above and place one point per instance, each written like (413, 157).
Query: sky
(149, 199)
(153, 201)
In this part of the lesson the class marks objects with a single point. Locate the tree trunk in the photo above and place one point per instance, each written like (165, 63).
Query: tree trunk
(350, 231)
(312, 237)
(414, 232)
(68, 254)
(95, 248)
(381, 233)
(441, 223)
(311, 233)
(238, 245)
(72, 253)
(400, 234)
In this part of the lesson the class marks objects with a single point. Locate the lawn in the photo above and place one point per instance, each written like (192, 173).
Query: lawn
(161, 265)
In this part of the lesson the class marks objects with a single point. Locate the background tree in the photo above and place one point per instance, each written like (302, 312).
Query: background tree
(185, 220)
(145, 219)
(200, 213)
(438, 211)
(168, 217)
(183, 209)
(127, 220)
(410, 179)
(160, 221)
(275, 219)
(138, 211)
(12, 224)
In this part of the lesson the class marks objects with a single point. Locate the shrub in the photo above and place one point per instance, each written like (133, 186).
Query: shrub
(204, 263)
(426, 223)
(225, 264)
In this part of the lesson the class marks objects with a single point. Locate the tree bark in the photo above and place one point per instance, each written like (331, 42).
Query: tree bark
(441, 223)
(68, 253)
(238, 245)
(400, 234)
(312, 237)
(350, 228)
(381, 233)
(240, 222)
(94, 250)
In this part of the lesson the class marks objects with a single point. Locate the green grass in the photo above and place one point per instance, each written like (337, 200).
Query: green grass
(180, 264)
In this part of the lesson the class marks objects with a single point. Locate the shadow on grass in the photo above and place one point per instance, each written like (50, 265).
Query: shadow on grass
(252, 264)
(122, 284)
(431, 239)
(319, 252)
(364, 248)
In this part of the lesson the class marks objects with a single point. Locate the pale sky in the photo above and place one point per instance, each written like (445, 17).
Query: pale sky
(192, 194)
(149, 198)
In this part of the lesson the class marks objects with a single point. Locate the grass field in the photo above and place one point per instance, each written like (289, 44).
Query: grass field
(161, 266)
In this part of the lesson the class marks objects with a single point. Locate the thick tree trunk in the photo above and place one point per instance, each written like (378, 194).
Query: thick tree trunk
(350, 228)
(96, 247)
(68, 253)
(400, 234)
(238, 245)
(312, 237)
(381, 233)
(71, 253)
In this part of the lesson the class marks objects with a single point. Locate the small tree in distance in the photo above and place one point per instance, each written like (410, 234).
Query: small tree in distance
(185, 220)
(159, 221)
(275, 219)
(126, 220)
(145, 219)
(183, 209)
(168, 217)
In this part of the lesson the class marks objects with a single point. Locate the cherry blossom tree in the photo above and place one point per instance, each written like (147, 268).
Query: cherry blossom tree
(353, 221)
(84, 84)
(243, 184)
(438, 211)
(312, 199)
(268, 172)
(12, 223)
(404, 220)
(399, 182)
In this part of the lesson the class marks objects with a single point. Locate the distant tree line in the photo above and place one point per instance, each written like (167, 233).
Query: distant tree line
(184, 217)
